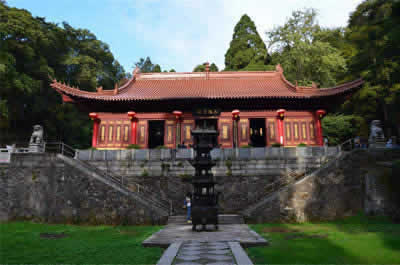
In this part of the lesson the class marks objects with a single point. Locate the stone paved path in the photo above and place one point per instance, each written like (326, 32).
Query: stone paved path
(205, 253)
(197, 253)
(183, 233)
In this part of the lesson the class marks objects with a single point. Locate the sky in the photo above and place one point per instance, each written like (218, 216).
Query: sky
(178, 34)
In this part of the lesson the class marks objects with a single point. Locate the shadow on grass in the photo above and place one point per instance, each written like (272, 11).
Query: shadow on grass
(300, 244)
(358, 239)
(23, 243)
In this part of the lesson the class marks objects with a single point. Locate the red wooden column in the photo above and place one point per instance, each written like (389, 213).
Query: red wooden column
(281, 116)
(178, 120)
(132, 116)
(235, 118)
(96, 121)
(320, 114)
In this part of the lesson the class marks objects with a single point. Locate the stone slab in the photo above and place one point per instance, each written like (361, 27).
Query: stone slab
(216, 154)
(208, 254)
(257, 153)
(169, 255)
(239, 254)
(141, 154)
(155, 154)
(240, 233)
(184, 154)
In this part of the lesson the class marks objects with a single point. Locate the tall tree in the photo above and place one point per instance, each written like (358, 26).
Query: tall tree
(374, 30)
(31, 50)
(146, 66)
(246, 48)
(300, 47)
(213, 67)
(157, 69)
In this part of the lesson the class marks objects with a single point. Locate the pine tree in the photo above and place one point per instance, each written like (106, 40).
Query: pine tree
(246, 48)
(157, 68)
(214, 68)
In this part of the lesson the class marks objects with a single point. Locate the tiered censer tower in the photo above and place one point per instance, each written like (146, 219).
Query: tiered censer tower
(205, 198)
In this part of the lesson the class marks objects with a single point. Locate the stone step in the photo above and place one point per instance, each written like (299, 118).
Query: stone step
(223, 219)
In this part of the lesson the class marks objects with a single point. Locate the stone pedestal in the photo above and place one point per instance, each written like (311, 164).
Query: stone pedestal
(36, 148)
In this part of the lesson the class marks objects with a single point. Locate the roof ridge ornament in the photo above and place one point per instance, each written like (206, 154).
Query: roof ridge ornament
(314, 85)
(136, 71)
(279, 68)
(115, 88)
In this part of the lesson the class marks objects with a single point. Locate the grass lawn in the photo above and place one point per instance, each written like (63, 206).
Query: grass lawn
(31, 243)
(355, 240)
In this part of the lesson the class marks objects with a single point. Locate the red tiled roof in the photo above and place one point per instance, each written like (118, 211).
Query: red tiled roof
(213, 85)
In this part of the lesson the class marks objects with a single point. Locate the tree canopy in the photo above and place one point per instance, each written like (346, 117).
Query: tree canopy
(31, 52)
(374, 32)
(202, 68)
(304, 50)
(246, 49)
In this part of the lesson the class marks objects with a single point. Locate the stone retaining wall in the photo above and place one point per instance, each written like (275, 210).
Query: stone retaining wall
(241, 182)
(342, 188)
(42, 187)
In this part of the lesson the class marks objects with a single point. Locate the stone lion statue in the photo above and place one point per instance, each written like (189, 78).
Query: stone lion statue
(376, 131)
(37, 135)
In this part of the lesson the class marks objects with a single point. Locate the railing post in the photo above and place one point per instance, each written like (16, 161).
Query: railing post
(62, 148)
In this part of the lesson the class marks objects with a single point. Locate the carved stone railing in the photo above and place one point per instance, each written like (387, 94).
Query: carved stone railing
(258, 153)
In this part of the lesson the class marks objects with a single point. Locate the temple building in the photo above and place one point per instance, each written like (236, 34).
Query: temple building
(247, 108)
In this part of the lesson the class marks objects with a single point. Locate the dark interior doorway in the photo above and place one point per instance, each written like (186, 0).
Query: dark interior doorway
(257, 132)
(156, 133)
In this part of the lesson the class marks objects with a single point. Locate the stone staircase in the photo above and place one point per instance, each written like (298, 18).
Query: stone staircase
(294, 178)
(140, 194)
(223, 219)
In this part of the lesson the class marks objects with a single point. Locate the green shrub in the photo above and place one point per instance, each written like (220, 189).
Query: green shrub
(133, 146)
(228, 163)
(185, 177)
(161, 147)
(165, 167)
(301, 145)
(339, 128)
(396, 181)
(145, 173)
(246, 146)
(276, 145)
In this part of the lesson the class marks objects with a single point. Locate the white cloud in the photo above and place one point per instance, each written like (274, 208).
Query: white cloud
(182, 33)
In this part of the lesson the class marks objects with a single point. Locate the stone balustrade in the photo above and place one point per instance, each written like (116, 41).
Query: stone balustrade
(259, 153)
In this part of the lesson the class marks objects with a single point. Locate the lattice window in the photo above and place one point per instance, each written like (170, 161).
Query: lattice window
(126, 133)
(271, 128)
(103, 133)
(304, 131)
(312, 130)
(288, 131)
(225, 132)
(170, 134)
(118, 133)
(296, 130)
